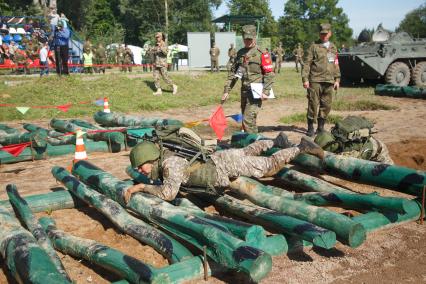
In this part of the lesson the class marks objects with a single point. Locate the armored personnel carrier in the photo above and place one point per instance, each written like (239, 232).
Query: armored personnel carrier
(396, 58)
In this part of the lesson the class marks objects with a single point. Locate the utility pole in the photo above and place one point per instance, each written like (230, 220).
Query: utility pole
(166, 11)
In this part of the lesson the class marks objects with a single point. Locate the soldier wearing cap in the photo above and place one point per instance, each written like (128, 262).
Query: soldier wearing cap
(320, 76)
(232, 54)
(159, 53)
(298, 56)
(252, 65)
(279, 52)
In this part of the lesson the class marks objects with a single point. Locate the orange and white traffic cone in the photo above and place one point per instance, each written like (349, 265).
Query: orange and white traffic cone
(80, 149)
(106, 105)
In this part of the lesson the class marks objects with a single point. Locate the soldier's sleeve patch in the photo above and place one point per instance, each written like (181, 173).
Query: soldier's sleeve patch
(266, 63)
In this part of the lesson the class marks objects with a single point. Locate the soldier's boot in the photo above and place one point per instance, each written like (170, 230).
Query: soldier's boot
(159, 92)
(308, 146)
(321, 122)
(281, 141)
(311, 130)
(175, 88)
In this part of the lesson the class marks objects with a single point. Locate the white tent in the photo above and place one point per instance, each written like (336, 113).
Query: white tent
(182, 48)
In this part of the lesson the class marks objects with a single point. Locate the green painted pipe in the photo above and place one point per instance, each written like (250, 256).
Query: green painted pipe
(7, 130)
(50, 132)
(222, 246)
(347, 231)
(38, 153)
(398, 91)
(347, 200)
(253, 235)
(115, 139)
(115, 119)
(128, 267)
(164, 244)
(47, 202)
(308, 182)
(399, 178)
(38, 138)
(27, 217)
(278, 222)
(24, 258)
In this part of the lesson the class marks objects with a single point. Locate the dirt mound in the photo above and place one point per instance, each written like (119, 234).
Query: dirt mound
(409, 153)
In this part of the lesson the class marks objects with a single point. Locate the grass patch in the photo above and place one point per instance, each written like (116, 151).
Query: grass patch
(301, 117)
(132, 93)
(342, 105)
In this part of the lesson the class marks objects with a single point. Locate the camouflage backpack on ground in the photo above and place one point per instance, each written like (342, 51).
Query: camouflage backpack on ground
(350, 134)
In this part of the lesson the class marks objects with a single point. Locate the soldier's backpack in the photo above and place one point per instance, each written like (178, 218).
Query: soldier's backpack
(185, 142)
(352, 129)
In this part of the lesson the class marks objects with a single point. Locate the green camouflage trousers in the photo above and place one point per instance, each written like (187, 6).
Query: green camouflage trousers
(298, 61)
(161, 72)
(319, 94)
(250, 107)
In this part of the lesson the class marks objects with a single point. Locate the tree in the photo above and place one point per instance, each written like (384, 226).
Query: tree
(269, 27)
(414, 22)
(302, 18)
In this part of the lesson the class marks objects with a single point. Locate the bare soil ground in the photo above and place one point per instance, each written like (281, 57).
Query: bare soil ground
(392, 255)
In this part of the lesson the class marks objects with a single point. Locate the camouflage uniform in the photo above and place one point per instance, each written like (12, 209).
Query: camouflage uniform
(128, 59)
(120, 57)
(380, 152)
(279, 52)
(100, 58)
(249, 63)
(159, 53)
(298, 57)
(232, 54)
(21, 61)
(321, 70)
(214, 58)
(229, 164)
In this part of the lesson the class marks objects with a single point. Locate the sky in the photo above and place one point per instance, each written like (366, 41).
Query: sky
(362, 13)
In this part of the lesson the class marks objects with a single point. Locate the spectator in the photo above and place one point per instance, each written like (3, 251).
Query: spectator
(60, 43)
(28, 27)
(44, 60)
(53, 19)
(88, 61)
(12, 50)
(175, 57)
(64, 20)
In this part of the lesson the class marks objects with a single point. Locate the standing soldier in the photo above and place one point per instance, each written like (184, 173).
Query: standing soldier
(252, 65)
(214, 58)
(120, 57)
(101, 58)
(175, 57)
(87, 46)
(159, 52)
(128, 58)
(232, 54)
(298, 56)
(279, 52)
(320, 76)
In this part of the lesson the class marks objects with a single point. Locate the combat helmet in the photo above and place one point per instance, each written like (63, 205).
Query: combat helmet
(327, 141)
(144, 152)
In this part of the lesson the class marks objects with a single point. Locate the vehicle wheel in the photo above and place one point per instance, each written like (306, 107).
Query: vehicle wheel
(398, 74)
(419, 74)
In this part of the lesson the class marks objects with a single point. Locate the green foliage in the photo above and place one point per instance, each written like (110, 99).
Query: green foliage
(302, 18)
(268, 28)
(18, 8)
(301, 118)
(414, 22)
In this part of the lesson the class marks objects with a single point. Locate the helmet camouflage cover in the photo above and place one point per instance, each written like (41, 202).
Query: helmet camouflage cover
(144, 152)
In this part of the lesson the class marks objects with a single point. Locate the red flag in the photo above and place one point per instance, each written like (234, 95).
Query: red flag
(64, 108)
(218, 122)
(15, 149)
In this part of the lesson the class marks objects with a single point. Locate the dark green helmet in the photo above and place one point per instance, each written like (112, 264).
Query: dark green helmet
(326, 141)
(144, 152)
